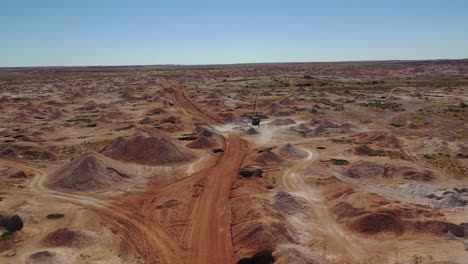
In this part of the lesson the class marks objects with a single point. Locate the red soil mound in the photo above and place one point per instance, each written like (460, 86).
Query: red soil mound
(364, 150)
(383, 139)
(375, 223)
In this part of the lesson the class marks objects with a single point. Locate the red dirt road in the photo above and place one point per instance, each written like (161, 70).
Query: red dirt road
(208, 232)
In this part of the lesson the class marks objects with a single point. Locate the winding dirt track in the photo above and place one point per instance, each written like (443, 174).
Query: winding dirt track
(206, 237)
(346, 247)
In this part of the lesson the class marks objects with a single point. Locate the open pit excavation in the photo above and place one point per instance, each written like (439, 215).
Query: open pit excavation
(352, 162)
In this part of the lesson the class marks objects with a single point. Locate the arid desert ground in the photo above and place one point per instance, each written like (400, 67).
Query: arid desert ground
(353, 162)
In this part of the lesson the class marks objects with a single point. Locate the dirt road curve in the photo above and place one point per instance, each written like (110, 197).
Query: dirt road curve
(347, 248)
(148, 239)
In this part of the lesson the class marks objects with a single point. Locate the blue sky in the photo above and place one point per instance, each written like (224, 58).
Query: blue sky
(105, 32)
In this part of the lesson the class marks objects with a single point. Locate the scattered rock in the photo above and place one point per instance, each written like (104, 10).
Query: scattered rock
(418, 189)
(451, 200)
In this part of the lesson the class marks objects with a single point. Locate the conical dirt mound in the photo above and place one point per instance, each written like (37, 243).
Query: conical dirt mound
(148, 148)
(202, 142)
(291, 151)
(251, 131)
(267, 156)
(90, 171)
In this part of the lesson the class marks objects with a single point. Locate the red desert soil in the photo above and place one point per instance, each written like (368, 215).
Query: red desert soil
(352, 163)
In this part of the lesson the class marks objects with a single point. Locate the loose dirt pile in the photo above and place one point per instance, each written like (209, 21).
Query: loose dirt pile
(44, 257)
(290, 151)
(375, 223)
(267, 156)
(418, 189)
(286, 101)
(248, 173)
(286, 204)
(451, 200)
(90, 171)
(261, 234)
(67, 237)
(202, 142)
(410, 173)
(364, 150)
(251, 131)
(205, 131)
(143, 148)
(383, 139)
(214, 95)
(367, 169)
(345, 209)
(18, 175)
(281, 122)
(291, 255)
(436, 228)
(276, 110)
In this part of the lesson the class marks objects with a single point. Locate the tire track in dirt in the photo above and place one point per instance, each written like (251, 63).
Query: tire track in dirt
(207, 234)
(148, 240)
(344, 247)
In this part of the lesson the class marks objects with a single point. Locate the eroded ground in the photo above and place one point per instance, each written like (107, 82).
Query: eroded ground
(352, 163)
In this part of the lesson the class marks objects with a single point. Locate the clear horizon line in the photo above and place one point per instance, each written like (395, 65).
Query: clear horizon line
(227, 64)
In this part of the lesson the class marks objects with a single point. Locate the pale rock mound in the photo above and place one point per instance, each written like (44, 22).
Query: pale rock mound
(90, 171)
(148, 148)
(291, 151)
(267, 156)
